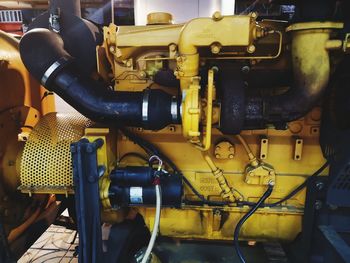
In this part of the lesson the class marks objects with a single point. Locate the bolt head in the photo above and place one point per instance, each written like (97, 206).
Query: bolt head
(217, 15)
(215, 49)
(89, 149)
(251, 49)
(112, 49)
(318, 204)
(245, 69)
(172, 47)
(319, 185)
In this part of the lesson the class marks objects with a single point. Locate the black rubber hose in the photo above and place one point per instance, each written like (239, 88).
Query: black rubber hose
(244, 219)
(43, 53)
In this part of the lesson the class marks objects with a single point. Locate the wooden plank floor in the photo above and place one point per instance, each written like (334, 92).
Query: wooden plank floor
(56, 245)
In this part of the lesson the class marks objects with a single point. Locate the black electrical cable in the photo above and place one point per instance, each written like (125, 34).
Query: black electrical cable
(133, 154)
(245, 217)
(293, 192)
(201, 197)
(150, 148)
(300, 187)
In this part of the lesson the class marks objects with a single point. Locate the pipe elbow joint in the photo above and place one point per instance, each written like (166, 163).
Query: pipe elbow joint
(42, 52)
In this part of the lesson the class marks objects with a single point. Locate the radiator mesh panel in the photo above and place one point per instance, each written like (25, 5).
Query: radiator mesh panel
(46, 164)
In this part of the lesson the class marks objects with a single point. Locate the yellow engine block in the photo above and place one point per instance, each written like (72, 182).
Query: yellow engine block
(269, 145)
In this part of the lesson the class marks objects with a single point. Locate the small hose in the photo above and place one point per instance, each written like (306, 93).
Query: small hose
(252, 159)
(155, 226)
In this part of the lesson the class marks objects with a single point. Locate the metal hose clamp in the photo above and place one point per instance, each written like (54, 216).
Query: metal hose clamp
(52, 69)
(173, 110)
(145, 105)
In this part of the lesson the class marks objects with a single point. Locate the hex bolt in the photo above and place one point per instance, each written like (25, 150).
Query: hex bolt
(215, 48)
(318, 204)
(217, 16)
(89, 149)
(112, 49)
(217, 212)
(319, 185)
(142, 74)
(129, 63)
(245, 69)
(251, 49)
(73, 149)
(172, 47)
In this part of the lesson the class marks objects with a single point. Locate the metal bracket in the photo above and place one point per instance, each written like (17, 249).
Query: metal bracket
(264, 144)
(262, 174)
(298, 149)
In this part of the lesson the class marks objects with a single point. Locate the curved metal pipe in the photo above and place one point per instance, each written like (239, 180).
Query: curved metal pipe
(311, 70)
(43, 53)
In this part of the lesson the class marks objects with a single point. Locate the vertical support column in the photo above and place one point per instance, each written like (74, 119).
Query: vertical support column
(87, 199)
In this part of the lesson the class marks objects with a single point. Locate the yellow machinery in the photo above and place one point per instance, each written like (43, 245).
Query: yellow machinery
(231, 103)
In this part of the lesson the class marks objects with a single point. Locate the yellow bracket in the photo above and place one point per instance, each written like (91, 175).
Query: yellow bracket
(191, 111)
(206, 142)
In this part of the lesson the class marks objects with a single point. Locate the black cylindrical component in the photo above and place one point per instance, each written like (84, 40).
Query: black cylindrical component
(171, 190)
(232, 102)
(79, 35)
(132, 176)
(97, 102)
(43, 53)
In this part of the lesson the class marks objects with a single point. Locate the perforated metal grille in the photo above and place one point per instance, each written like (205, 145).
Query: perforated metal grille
(46, 161)
(343, 180)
